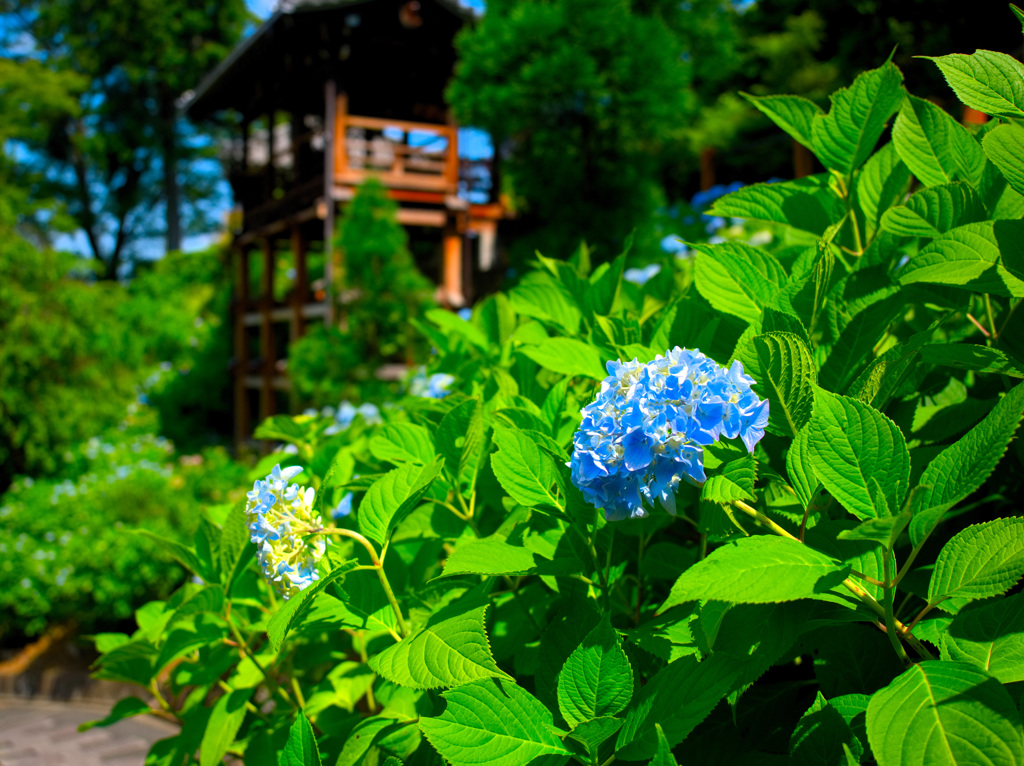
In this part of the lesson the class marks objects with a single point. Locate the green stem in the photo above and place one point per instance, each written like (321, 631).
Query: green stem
(922, 613)
(991, 320)
(890, 617)
(272, 684)
(756, 514)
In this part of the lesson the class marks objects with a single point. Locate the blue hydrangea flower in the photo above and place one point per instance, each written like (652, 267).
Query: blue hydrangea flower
(641, 276)
(433, 387)
(347, 413)
(343, 508)
(646, 430)
(283, 526)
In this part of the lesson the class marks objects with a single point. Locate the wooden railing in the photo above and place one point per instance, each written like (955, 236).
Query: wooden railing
(366, 146)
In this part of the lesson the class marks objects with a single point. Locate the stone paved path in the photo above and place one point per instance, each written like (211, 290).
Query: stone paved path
(45, 733)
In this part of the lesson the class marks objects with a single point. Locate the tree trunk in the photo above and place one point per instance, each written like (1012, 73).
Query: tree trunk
(172, 194)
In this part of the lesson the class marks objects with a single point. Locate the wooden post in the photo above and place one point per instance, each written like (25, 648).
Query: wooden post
(452, 165)
(452, 276)
(300, 293)
(330, 116)
(269, 181)
(707, 168)
(242, 426)
(267, 331)
(803, 161)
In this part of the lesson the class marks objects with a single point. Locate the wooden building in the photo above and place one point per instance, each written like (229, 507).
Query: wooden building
(322, 95)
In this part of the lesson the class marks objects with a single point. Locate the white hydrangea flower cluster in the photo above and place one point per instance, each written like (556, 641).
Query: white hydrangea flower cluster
(283, 526)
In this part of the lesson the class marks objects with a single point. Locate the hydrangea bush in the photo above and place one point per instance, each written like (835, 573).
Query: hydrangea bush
(496, 575)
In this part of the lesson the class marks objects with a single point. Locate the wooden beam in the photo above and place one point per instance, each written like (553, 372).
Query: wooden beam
(418, 217)
(300, 292)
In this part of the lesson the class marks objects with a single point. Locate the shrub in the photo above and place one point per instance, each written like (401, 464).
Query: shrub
(834, 592)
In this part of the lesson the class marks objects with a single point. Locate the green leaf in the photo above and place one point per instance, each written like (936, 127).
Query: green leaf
(494, 555)
(964, 466)
(663, 755)
(586, 739)
(183, 554)
(884, 531)
(738, 279)
(794, 114)
(567, 356)
(678, 698)
(854, 348)
(300, 749)
(988, 81)
(502, 725)
(936, 148)
(971, 356)
(291, 611)
(460, 440)
(131, 663)
(1004, 146)
(281, 428)
(525, 473)
(455, 325)
(982, 560)
(187, 636)
(123, 708)
(735, 481)
(881, 183)
(933, 211)
(235, 551)
(822, 737)
(225, 721)
(758, 570)
(800, 468)
(450, 650)
(969, 257)
(805, 296)
(549, 302)
(393, 497)
(846, 136)
(850, 442)
(367, 733)
(805, 204)
(597, 679)
(403, 443)
(785, 374)
(991, 637)
(944, 713)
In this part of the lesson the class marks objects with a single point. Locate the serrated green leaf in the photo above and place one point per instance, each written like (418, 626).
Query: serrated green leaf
(1004, 146)
(982, 560)
(235, 550)
(734, 481)
(758, 570)
(805, 204)
(969, 257)
(971, 356)
(225, 721)
(785, 374)
(794, 114)
(300, 749)
(935, 210)
(502, 725)
(936, 148)
(523, 470)
(597, 679)
(394, 496)
(450, 650)
(884, 531)
(850, 442)
(949, 713)
(800, 468)
(820, 736)
(367, 733)
(881, 183)
(281, 428)
(403, 443)
(678, 698)
(455, 325)
(805, 296)
(460, 440)
(853, 350)
(181, 553)
(738, 279)
(188, 635)
(586, 739)
(292, 611)
(567, 356)
(962, 467)
(494, 555)
(991, 637)
(548, 301)
(663, 755)
(988, 81)
(132, 662)
(846, 136)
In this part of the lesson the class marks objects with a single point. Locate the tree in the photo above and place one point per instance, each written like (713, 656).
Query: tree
(122, 150)
(581, 97)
